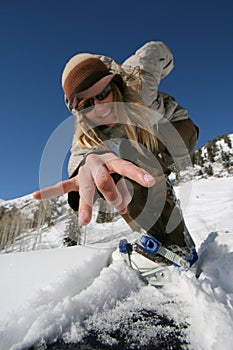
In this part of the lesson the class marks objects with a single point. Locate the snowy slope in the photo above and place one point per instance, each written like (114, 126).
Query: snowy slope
(66, 295)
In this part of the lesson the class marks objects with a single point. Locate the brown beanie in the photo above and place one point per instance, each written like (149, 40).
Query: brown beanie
(87, 75)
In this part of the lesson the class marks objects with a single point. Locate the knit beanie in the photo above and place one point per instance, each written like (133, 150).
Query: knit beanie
(87, 75)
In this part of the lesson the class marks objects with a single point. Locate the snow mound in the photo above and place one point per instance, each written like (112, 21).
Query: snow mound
(86, 296)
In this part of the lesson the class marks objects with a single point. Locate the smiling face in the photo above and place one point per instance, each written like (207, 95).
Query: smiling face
(87, 83)
(102, 111)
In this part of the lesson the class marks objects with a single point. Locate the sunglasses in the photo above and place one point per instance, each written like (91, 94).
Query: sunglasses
(81, 105)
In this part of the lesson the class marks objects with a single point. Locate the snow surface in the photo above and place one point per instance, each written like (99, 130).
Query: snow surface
(67, 293)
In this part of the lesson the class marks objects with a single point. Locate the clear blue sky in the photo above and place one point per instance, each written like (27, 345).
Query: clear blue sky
(38, 37)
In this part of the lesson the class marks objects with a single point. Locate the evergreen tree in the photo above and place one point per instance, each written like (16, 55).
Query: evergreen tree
(199, 160)
(72, 231)
(209, 170)
(226, 159)
(211, 150)
(105, 213)
(227, 140)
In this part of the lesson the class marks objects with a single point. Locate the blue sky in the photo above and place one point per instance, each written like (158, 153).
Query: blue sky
(38, 37)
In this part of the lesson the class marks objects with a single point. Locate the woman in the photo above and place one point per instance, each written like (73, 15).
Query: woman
(120, 146)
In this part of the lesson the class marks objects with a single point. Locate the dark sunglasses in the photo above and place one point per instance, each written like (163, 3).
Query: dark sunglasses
(89, 103)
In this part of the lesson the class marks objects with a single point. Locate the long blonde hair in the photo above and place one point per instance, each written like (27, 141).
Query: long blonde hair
(132, 115)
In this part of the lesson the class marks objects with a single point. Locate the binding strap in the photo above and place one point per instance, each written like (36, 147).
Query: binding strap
(151, 248)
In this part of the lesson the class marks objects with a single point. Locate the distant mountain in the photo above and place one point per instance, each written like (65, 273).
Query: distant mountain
(215, 159)
(26, 217)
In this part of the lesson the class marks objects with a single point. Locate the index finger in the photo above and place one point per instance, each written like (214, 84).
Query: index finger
(131, 171)
(57, 190)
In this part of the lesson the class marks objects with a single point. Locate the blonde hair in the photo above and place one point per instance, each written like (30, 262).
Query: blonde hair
(131, 114)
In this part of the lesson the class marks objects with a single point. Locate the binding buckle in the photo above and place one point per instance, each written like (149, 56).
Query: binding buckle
(151, 248)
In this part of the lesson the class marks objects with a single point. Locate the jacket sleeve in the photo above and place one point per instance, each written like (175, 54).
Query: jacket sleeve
(155, 61)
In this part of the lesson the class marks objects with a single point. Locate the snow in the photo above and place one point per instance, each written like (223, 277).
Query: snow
(69, 293)
(33, 267)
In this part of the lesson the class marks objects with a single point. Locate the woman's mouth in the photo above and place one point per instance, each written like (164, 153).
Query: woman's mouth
(106, 113)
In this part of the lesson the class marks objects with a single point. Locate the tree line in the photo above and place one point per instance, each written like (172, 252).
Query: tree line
(14, 223)
(206, 156)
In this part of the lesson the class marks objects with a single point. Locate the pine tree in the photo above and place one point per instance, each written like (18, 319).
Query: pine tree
(105, 213)
(209, 170)
(226, 159)
(211, 150)
(72, 231)
(227, 140)
(198, 158)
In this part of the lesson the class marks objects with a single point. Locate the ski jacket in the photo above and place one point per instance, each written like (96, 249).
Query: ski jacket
(153, 61)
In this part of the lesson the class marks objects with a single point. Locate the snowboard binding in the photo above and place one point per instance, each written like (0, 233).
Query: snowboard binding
(153, 261)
